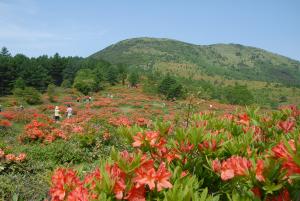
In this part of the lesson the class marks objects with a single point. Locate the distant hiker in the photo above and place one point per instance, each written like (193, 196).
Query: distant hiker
(0, 108)
(69, 111)
(56, 114)
(21, 107)
(210, 106)
(90, 99)
(78, 100)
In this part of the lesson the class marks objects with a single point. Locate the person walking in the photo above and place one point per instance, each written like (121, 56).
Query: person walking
(56, 114)
(69, 111)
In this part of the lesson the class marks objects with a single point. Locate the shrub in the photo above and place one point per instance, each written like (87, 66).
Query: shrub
(85, 81)
(238, 94)
(30, 95)
(170, 88)
(51, 92)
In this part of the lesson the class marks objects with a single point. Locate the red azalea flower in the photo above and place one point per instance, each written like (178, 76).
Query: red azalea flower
(138, 139)
(227, 174)
(136, 194)
(186, 147)
(90, 179)
(216, 165)
(283, 196)
(257, 192)
(234, 166)
(5, 123)
(244, 119)
(259, 170)
(79, 194)
(152, 137)
(280, 151)
(286, 126)
(119, 177)
(63, 182)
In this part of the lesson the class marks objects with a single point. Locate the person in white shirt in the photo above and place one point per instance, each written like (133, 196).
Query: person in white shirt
(56, 114)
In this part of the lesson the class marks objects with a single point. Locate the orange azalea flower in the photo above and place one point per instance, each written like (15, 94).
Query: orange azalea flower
(145, 177)
(10, 157)
(233, 166)
(21, 157)
(162, 177)
(63, 182)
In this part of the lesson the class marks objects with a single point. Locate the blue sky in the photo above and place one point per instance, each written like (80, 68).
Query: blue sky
(78, 27)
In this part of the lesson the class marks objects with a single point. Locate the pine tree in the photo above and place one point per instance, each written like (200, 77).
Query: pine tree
(4, 52)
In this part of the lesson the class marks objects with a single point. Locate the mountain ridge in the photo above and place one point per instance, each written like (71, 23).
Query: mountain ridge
(231, 61)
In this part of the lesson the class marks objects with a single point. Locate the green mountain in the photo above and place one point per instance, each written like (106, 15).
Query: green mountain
(228, 61)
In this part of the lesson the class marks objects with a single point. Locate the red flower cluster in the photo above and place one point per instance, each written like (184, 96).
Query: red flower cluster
(142, 121)
(12, 157)
(286, 126)
(243, 119)
(67, 186)
(103, 102)
(5, 123)
(208, 145)
(233, 166)
(120, 121)
(282, 152)
(10, 115)
(44, 131)
(147, 138)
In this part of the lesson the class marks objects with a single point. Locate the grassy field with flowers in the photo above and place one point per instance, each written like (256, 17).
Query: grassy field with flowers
(127, 145)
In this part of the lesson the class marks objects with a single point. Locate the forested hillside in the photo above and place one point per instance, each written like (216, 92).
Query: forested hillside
(230, 61)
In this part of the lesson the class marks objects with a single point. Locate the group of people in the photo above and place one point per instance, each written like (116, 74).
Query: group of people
(57, 115)
(85, 99)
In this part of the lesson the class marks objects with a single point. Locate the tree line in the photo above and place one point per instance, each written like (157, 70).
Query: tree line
(86, 75)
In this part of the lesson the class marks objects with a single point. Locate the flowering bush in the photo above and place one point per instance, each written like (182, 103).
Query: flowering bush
(42, 130)
(5, 123)
(11, 157)
(246, 156)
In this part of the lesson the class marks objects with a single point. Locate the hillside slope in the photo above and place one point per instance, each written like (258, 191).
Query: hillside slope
(231, 61)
